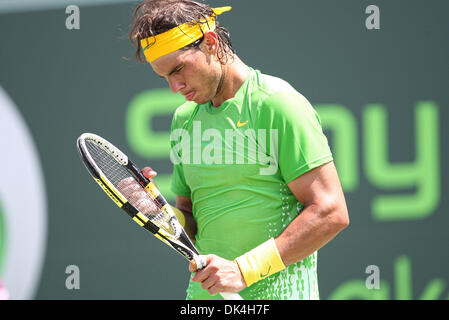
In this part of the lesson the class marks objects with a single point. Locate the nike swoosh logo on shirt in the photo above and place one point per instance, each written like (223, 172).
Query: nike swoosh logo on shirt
(240, 124)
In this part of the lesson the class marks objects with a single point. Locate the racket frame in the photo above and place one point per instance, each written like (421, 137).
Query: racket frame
(184, 246)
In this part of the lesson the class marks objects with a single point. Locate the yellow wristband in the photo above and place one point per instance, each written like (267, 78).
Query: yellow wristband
(261, 262)
(178, 213)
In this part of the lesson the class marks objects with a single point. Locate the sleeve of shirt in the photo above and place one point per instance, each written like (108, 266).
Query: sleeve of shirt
(301, 144)
(178, 182)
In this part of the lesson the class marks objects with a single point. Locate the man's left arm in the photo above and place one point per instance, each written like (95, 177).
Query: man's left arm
(323, 216)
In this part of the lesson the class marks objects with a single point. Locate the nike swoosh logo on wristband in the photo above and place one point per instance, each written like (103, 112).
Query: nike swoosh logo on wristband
(266, 274)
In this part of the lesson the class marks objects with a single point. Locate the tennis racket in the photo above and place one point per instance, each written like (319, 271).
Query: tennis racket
(138, 196)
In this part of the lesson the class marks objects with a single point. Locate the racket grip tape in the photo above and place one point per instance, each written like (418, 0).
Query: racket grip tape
(198, 262)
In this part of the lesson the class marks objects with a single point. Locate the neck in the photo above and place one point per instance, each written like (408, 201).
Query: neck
(233, 76)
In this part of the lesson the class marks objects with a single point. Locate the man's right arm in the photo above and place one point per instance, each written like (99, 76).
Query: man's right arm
(185, 205)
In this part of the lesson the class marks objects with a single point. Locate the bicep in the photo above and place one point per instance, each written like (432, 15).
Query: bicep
(320, 186)
(324, 214)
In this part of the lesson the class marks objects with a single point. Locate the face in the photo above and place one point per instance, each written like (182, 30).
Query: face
(195, 73)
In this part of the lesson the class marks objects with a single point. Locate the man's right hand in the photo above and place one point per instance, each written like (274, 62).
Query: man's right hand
(149, 172)
(136, 196)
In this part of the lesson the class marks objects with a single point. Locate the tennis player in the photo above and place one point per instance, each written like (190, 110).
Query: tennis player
(253, 172)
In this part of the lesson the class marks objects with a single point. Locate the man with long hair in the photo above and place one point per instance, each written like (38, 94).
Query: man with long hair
(261, 194)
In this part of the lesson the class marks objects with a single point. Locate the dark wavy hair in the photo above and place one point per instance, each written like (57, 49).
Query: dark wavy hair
(157, 16)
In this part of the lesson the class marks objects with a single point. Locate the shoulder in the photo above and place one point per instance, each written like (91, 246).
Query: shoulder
(272, 84)
(183, 114)
(275, 97)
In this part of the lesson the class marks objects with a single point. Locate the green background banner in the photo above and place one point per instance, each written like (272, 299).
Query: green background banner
(382, 95)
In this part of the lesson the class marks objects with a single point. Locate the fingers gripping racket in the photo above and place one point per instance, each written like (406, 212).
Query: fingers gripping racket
(137, 196)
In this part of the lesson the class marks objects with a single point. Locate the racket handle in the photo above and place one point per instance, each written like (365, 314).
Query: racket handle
(200, 262)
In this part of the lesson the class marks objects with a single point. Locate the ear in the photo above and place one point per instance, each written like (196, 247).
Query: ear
(211, 42)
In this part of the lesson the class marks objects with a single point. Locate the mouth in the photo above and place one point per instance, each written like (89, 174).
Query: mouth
(190, 95)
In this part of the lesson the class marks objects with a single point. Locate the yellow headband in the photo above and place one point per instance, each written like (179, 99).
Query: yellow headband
(174, 39)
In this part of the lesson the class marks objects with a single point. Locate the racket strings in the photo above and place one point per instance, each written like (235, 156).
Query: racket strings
(130, 188)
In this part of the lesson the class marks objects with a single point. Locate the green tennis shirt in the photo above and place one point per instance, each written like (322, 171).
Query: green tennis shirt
(234, 162)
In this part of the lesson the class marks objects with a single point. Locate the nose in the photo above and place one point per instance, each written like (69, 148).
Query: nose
(175, 84)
